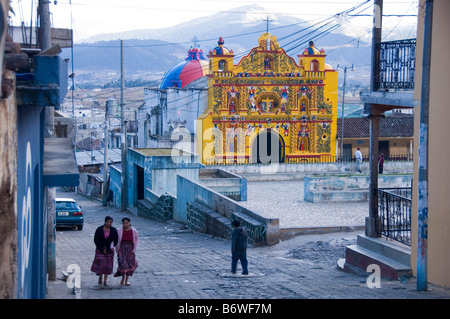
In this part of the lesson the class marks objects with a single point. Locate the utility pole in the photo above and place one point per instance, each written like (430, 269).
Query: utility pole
(49, 132)
(343, 106)
(44, 44)
(105, 163)
(422, 207)
(45, 35)
(373, 221)
(124, 178)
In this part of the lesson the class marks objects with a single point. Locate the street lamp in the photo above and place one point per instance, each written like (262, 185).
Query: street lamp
(343, 104)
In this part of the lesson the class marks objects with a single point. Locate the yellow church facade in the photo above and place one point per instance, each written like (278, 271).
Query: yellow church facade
(268, 108)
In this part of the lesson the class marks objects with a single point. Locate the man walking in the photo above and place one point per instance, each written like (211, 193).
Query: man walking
(380, 163)
(359, 158)
(239, 247)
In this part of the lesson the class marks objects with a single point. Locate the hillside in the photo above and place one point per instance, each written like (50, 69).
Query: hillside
(151, 52)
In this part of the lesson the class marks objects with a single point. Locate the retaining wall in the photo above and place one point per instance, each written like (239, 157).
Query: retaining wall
(225, 183)
(283, 171)
(320, 188)
(156, 207)
(206, 206)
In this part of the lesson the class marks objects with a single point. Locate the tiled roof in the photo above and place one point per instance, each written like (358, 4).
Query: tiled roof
(395, 125)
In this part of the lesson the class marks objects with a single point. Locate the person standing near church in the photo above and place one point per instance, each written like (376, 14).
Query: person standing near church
(359, 159)
(380, 163)
(239, 247)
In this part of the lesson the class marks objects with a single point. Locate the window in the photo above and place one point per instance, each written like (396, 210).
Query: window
(314, 65)
(61, 130)
(66, 205)
(222, 65)
(267, 63)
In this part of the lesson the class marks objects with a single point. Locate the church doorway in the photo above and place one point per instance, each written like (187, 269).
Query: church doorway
(267, 147)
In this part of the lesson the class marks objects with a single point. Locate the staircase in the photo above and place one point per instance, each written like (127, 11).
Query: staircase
(393, 258)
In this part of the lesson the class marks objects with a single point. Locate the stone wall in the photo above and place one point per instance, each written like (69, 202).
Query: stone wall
(203, 219)
(155, 207)
(8, 193)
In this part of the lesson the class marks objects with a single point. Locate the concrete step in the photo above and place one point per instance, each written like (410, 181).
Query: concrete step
(359, 257)
(132, 211)
(386, 247)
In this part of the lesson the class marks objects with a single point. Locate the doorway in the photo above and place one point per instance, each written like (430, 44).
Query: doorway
(383, 147)
(139, 182)
(347, 153)
(267, 147)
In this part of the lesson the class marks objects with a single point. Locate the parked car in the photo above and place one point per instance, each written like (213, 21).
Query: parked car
(69, 213)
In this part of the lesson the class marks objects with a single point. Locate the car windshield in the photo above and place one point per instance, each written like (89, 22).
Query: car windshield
(66, 205)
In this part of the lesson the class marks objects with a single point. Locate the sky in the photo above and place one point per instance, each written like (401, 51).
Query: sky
(93, 17)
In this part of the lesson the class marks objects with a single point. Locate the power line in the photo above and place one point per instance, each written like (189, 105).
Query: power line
(300, 40)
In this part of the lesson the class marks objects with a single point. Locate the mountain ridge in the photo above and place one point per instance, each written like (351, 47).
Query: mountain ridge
(149, 53)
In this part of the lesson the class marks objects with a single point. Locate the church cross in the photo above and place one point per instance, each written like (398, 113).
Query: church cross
(195, 40)
(267, 26)
(267, 101)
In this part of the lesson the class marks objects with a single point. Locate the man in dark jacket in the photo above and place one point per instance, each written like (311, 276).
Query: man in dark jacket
(239, 247)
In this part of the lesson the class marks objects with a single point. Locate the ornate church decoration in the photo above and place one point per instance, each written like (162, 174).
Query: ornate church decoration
(268, 102)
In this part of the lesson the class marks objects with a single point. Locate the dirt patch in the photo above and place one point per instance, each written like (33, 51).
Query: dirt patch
(322, 252)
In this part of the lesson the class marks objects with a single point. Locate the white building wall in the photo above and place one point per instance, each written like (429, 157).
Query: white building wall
(182, 108)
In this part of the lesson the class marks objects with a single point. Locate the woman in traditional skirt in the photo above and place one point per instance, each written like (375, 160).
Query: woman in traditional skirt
(126, 251)
(105, 238)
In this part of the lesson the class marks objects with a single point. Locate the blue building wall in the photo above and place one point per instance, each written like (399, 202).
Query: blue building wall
(135, 161)
(155, 172)
(31, 216)
(159, 171)
(115, 182)
(46, 86)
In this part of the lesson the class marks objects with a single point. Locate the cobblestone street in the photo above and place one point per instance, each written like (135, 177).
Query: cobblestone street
(181, 264)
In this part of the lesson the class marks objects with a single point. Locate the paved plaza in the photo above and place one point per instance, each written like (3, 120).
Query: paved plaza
(175, 263)
(284, 200)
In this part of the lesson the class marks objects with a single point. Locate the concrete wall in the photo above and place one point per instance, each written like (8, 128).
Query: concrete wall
(261, 172)
(192, 192)
(225, 183)
(319, 188)
(164, 179)
(161, 168)
(398, 146)
(89, 185)
(438, 235)
(182, 107)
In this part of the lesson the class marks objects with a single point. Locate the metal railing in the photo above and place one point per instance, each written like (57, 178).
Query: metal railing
(397, 64)
(246, 160)
(394, 211)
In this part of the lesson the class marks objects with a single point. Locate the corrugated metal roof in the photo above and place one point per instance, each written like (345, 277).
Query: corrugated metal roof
(97, 157)
(395, 125)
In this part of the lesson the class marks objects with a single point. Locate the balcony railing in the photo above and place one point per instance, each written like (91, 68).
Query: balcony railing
(397, 64)
(394, 211)
(301, 159)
